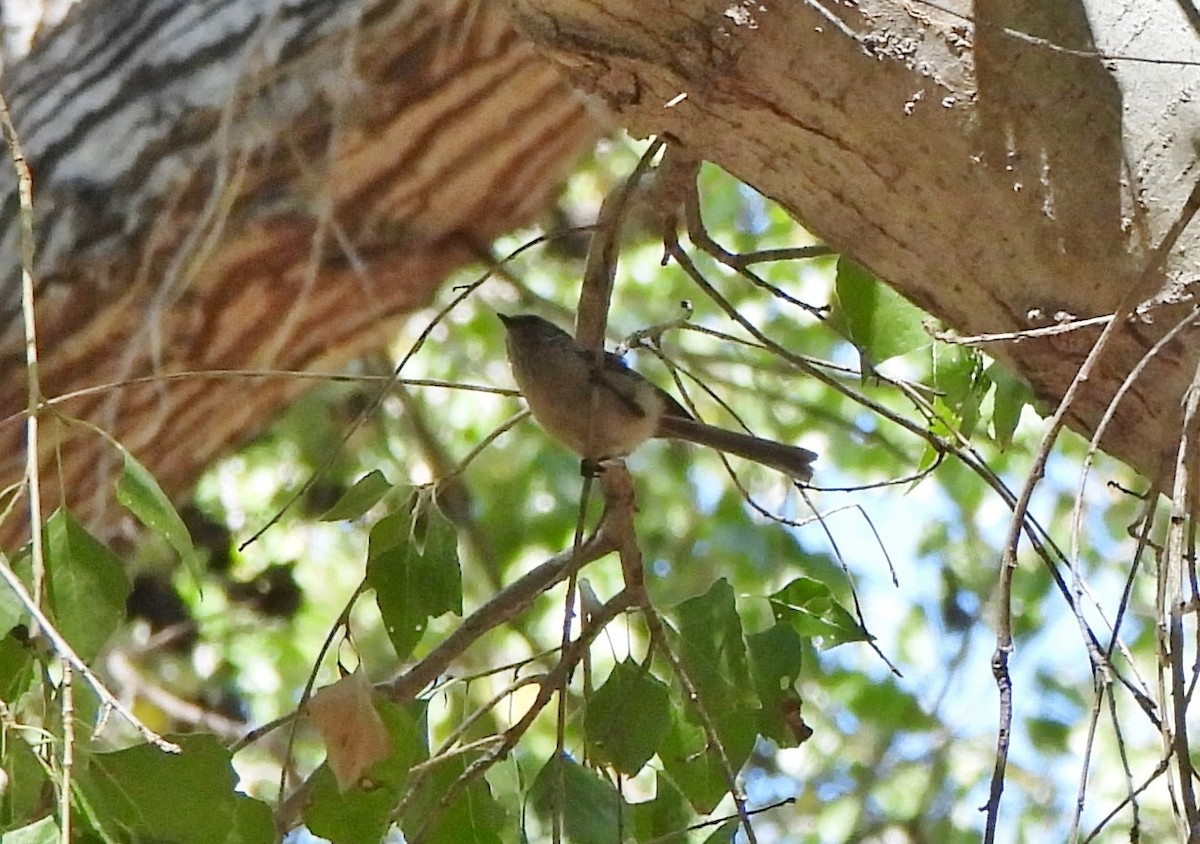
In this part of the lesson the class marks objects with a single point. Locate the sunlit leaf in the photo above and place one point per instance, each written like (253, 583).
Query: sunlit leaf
(139, 492)
(810, 608)
(959, 376)
(365, 494)
(1011, 396)
(44, 831)
(876, 319)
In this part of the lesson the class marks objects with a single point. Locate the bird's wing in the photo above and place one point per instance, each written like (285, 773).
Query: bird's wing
(621, 381)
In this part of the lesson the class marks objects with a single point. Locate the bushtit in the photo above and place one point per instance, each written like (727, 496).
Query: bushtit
(600, 408)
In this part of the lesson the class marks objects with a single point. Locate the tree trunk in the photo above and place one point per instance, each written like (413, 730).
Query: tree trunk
(1006, 165)
(224, 185)
(221, 185)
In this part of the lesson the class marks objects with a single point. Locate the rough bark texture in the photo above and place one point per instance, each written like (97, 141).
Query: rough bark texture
(233, 185)
(994, 177)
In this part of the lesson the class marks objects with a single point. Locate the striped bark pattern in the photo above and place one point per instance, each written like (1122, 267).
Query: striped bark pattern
(231, 185)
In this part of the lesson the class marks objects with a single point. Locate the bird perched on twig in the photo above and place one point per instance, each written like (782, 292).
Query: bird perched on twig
(598, 407)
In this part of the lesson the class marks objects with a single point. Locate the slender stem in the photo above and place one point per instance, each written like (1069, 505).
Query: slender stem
(34, 387)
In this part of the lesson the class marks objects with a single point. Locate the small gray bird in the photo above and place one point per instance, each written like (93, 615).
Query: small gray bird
(600, 408)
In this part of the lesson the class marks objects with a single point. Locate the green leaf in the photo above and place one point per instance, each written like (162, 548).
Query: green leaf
(471, 817)
(86, 585)
(364, 814)
(614, 738)
(410, 740)
(880, 702)
(432, 532)
(28, 780)
(11, 609)
(712, 649)
(969, 408)
(365, 494)
(142, 793)
(140, 494)
(723, 833)
(1049, 735)
(809, 607)
(694, 764)
(411, 586)
(16, 668)
(591, 809)
(958, 373)
(664, 819)
(775, 657)
(876, 319)
(44, 831)
(357, 815)
(1011, 397)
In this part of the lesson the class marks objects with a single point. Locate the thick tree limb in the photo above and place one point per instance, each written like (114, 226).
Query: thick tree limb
(995, 168)
(225, 185)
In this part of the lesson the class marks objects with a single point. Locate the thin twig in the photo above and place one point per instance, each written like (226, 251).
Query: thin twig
(659, 641)
(32, 602)
(741, 264)
(64, 650)
(222, 374)
(1171, 576)
(1004, 637)
(1024, 334)
(600, 272)
(68, 752)
(1158, 771)
(125, 673)
(550, 684)
(1100, 660)
(1041, 542)
(33, 380)
(463, 293)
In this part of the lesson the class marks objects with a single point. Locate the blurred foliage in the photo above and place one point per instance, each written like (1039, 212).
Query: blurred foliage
(844, 663)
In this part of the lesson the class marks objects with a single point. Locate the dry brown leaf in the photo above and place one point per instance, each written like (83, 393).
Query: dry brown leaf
(354, 735)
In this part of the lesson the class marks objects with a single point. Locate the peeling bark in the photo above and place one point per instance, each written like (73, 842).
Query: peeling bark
(229, 185)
